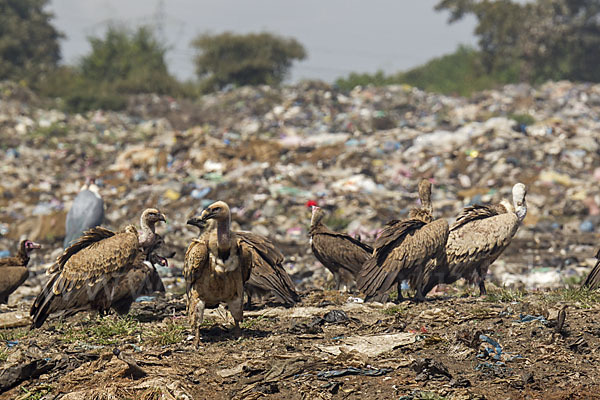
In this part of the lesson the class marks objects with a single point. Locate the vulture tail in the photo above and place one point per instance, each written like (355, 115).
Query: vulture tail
(593, 279)
(40, 310)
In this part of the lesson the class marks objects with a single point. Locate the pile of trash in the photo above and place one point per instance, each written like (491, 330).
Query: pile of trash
(268, 151)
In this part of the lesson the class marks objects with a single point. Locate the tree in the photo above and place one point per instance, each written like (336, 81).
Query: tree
(548, 39)
(252, 59)
(130, 62)
(28, 42)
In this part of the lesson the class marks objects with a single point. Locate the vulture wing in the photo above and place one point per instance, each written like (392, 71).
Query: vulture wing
(86, 275)
(473, 213)
(593, 279)
(339, 249)
(88, 238)
(401, 247)
(479, 241)
(98, 261)
(195, 261)
(267, 271)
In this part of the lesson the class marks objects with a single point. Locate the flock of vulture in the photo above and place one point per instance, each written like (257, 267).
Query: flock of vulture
(102, 270)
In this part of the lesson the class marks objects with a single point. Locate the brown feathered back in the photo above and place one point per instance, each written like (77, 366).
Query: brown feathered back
(85, 275)
(268, 273)
(402, 249)
(340, 253)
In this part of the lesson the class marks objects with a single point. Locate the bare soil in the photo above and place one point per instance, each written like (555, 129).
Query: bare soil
(441, 351)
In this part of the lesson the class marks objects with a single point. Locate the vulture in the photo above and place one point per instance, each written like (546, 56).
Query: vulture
(404, 248)
(477, 237)
(14, 269)
(142, 279)
(268, 274)
(88, 273)
(593, 279)
(87, 211)
(216, 267)
(341, 254)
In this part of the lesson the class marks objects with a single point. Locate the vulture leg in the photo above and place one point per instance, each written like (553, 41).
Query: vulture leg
(338, 280)
(249, 301)
(400, 298)
(482, 291)
(196, 314)
(236, 309)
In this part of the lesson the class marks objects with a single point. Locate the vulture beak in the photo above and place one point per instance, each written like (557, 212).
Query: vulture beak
(35, 245)
(161, 217)
(164, 262)
(207, 214)
(196, 221)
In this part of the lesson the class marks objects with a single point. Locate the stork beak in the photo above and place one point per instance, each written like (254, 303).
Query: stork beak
(196, 221)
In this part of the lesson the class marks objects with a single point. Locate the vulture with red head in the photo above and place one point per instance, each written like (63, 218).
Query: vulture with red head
(342, 254)
(87, 274)
(13, 270)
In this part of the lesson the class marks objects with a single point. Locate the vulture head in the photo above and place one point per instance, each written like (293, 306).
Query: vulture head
(151, 216)
(425, 195)
(218, 211)
(155, 259)
(27, 246)
(519, 191)
(317, 215)
(197, 222)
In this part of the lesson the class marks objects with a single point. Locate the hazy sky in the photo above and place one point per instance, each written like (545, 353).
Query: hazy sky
(340, 36)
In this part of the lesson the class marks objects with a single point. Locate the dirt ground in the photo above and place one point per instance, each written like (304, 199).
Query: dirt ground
(453, 346)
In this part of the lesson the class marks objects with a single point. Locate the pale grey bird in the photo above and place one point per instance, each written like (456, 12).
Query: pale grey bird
(87, 211)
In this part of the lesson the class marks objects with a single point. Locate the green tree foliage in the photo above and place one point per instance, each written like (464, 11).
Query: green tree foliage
(122, 62)
(133, 62)
(28, 42)
(547, 39)
(252, 59)
(461, 72)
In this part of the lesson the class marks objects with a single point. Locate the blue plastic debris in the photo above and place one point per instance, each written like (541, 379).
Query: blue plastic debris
(529, 318)
(494, 352)
(12, 343)
(4, 253)
(200, 193)
(586, 226)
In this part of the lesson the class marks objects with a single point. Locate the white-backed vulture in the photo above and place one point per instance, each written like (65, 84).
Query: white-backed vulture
(403, 249)
(341, 254)
(87, 211)
(85, 276)
(593, 279)
(477, 238)
(216, 266)
(13, 270)
(268, 276)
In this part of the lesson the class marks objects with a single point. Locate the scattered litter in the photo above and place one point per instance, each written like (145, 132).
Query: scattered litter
(353, 371)
(372, 345)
